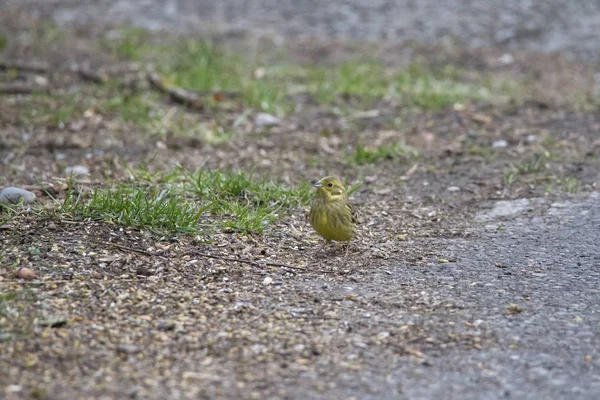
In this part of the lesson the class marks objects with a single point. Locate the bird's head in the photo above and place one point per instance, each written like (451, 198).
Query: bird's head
(330, 188)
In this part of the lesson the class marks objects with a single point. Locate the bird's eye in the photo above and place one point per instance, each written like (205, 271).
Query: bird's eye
(330, 185)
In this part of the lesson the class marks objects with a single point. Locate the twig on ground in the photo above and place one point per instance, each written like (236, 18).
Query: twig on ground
(98, 76)
(178, 95)
(220, 95)
(31, 66)
(122, 69)
(56, 281)
(18, 88)
(250, 262)
(222, 258)
(131, 249)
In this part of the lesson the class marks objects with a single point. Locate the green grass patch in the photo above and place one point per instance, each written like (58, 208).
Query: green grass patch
(243, 186)
(48, 33)
(535, 163)
(418, 86)
(245, 203)
(5, 299)
(9, 298)
(363, 155)
(511, 177)
(137, 109)
(365, 80)
(179, 201)
(141, 108)
(153, 208)
(242, 217)
(48, 110)
(132, 43)
(202, 67)
(3, 41)
(415, 85)
(205, 68)
(45, 39)
(570, 184)
(7, 213)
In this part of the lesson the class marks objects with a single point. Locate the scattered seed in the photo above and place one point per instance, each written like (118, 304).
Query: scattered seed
(513, 309)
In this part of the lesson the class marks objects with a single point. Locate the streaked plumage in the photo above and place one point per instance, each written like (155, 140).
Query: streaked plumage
(332, 215)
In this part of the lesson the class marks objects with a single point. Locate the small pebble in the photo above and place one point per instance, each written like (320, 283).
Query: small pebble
(506, 58)
(267, 281)
(55, 322)
(77, 125)
(40, 80)
(77, 170)
(264, 119)
(14, 388)
(498, 144)
(383, 335)
(128, 349)
(453, 189)
(260, 73)
(13, 195)
(26, 273)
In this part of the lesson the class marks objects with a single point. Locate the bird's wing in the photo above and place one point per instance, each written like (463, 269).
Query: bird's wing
(353, 212)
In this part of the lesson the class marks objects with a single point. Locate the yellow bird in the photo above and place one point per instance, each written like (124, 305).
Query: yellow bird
(332, 215)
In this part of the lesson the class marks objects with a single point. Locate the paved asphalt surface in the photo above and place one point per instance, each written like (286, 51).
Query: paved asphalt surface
(546, 257)
(536, 25)
(531, 294)
(546, 260)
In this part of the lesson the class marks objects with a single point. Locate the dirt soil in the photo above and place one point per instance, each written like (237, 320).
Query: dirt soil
(118, 312)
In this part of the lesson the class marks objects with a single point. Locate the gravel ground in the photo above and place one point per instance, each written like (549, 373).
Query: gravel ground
(514, 313)
(538, 25)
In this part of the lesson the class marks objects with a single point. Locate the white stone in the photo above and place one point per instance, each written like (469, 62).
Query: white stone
(77, 170)
(531, 138)
(507, 58)
(13, 195)
(267, 281)
(498, 144)
(264, 119)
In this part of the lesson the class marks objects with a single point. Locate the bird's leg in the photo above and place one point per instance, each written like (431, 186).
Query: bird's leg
(347, 246)
(322, 247)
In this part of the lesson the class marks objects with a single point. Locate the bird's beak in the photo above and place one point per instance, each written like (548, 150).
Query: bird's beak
(317, 184)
